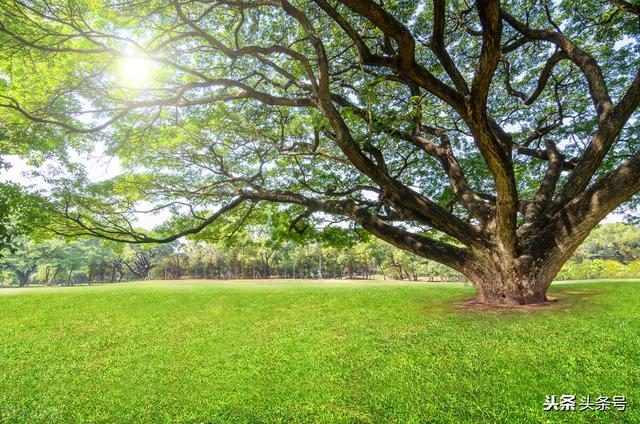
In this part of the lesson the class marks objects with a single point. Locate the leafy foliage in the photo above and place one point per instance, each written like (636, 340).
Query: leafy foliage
(619, 242)
(21, 213)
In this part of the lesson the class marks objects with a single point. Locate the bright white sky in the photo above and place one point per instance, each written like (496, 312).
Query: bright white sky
(98, 167)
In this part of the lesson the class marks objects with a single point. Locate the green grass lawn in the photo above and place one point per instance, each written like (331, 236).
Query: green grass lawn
(312, 352)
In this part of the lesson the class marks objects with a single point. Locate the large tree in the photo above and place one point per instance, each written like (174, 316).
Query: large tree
(488, 137)
(25, 262)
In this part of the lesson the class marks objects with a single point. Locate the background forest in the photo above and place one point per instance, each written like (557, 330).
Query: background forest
(611, 251)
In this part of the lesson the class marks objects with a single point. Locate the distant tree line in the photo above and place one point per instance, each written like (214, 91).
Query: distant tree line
(86, 261)
(611, 251)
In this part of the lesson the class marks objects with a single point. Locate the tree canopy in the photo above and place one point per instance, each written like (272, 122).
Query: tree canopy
(491, 137)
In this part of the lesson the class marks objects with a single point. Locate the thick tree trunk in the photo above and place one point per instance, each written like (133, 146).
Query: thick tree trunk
(522, 281)
(23, 277)
(514, 290)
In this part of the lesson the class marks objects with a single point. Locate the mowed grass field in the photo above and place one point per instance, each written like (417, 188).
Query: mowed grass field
(252, 352)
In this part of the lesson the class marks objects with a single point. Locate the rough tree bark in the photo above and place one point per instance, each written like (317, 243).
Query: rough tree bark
(23, 277)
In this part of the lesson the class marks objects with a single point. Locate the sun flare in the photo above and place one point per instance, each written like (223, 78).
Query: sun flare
(136, 72)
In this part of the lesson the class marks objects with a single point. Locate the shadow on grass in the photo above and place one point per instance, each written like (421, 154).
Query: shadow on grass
(560, 300)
